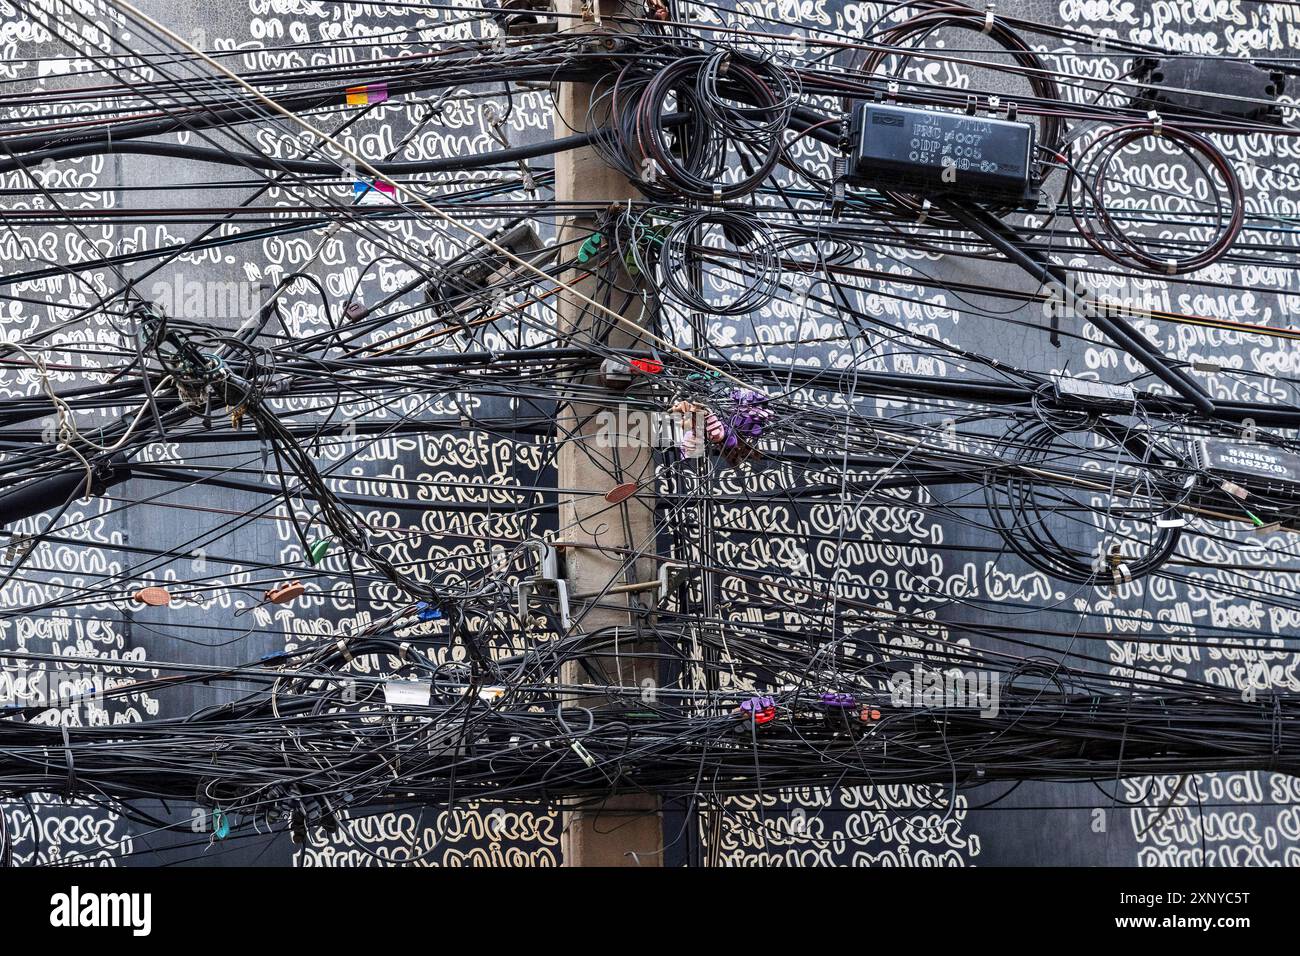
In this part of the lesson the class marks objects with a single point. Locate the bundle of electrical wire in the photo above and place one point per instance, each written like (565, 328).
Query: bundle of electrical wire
(1035, 518)
(1093, 180)
(708, 132)
(319, 754)
(705, 127)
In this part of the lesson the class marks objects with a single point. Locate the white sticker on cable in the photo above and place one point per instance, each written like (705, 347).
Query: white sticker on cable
(408, 693)
(1235, 490)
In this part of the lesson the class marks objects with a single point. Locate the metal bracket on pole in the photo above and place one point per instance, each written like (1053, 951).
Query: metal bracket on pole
(547, 578)
(671, 575)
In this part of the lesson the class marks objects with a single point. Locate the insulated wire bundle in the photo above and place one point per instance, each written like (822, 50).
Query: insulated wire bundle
(456, 684)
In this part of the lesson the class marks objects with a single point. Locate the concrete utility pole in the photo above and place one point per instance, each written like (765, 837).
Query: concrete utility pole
(625, 830)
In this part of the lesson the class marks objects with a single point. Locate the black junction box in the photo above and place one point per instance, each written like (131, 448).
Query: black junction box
(930, 152)
(1208, 87)
(1273, 472)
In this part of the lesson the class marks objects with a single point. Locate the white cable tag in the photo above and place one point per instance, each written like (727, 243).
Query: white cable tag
(407, 693)
(1235, 490)
(377, 193)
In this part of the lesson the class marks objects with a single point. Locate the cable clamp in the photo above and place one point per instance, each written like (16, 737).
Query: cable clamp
(285, 592)
(547, 577)
(892, 89)
(582, 752)
(426, 611)
(671, 575)
(758, 710)
(1157, 123)
(839, 194)
(1171, 266)
(403, 650)
(342, 645)
(925, 212)
(988, 17)
(20, 545)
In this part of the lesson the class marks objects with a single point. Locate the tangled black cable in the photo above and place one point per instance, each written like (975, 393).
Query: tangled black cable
(1032, 517)
(729, 110)
(678, 265)
(833, 456)
(1087, 192)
